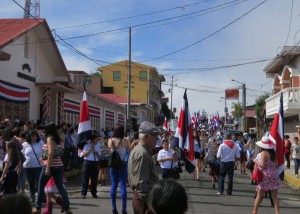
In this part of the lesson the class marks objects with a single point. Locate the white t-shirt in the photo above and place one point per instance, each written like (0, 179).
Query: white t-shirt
(32, 161)
(165, 154)
(91, 156)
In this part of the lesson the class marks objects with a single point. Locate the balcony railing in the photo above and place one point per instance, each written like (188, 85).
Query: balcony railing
(291, 102)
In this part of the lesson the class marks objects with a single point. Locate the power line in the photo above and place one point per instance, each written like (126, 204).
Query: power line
(135, 16)
(210, 35)
(288, 34)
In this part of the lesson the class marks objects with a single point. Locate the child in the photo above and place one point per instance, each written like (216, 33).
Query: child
(50, 190)
(12, 169)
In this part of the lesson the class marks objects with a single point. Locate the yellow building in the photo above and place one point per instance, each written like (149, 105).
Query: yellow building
(145, 83)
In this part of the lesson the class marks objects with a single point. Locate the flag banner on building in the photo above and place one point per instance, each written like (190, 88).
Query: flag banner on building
(12, 92)
(85, 127)
(277, 136)
(184, 136)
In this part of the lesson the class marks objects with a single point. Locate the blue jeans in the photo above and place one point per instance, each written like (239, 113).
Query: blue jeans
(90, 170)
(118, 175)
(57, 173)
(226, 167)
(33, 175)
(297, 162)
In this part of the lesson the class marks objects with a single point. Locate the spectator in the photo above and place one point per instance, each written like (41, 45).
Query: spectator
(121, 144)
(15, 203)
(295, 155)
(167, 197)
(165, 158)
(287, 150)
(103, 164)
(142, 173)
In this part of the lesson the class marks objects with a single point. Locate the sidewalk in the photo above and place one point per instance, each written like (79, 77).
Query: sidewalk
(289, 176)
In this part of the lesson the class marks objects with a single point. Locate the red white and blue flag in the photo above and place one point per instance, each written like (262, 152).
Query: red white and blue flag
(184, 134)
(84, 127)
(277, 136)
(165, 126)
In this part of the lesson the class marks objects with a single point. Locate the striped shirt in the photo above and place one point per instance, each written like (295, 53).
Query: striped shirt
(56, 162)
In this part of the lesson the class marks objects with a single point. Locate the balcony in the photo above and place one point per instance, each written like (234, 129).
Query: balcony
(291, 103)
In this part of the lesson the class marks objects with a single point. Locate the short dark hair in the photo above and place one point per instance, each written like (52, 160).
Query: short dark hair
(168, 196)
(15, 203)
(30, 134)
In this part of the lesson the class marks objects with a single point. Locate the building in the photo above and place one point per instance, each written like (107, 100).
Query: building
(284, 68)
(145, 86)
(35, 84)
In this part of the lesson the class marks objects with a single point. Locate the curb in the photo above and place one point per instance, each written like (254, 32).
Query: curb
(295, 182)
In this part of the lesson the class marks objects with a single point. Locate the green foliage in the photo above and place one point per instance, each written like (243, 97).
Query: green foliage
(259, 105)
(166, 111)
(237, 110)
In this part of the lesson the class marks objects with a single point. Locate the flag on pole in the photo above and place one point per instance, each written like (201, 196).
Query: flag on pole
(277, 136)
(184, 134)
(84, 127)
(165, 126)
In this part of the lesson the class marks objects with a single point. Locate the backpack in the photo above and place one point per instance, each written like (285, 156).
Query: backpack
(115, 160)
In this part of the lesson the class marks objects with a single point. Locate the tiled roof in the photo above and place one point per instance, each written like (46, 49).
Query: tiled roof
(118, 99)
(12, 28)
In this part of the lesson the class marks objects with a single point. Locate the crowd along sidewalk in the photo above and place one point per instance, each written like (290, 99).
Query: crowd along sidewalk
(289, 176)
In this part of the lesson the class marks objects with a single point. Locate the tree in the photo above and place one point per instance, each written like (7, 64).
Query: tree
(166, 111)
(259, 111)
(237, 110)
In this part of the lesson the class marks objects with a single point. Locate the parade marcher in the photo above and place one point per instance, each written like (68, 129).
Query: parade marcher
(203, 143)
(295, 155)
(250, 163)
(103, 163)
(214, 164)
(228, 153)
(52, 166)
(166, 158)
(142, 173)
(122, 146)
(270, 181)
(91, 153)
(32, 149)
(12, 169)
(197, 149)
(243, 157)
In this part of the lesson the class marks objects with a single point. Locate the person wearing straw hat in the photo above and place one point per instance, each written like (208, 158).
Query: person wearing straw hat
(268, 165)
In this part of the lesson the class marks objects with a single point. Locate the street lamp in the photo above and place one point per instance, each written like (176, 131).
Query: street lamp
(244, 102)
(225, 109)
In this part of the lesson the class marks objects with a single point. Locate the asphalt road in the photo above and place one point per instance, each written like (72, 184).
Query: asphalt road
(202, 199)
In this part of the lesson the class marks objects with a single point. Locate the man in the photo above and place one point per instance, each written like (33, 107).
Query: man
(228, 153)
(142, 174)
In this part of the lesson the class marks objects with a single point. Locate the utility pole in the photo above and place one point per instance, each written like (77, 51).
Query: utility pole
(244, 107)
(171, 97)
(128, 122)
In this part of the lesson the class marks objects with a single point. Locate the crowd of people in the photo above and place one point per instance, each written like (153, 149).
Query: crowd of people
(41, 155)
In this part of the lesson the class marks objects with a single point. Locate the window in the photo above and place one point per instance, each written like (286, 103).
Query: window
(116, 75)
(143, 75)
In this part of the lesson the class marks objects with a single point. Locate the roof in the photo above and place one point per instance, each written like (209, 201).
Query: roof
(77, 72)
(119, 99)
(12, 28)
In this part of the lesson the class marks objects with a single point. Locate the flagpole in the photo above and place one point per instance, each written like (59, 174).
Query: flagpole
(129, 83)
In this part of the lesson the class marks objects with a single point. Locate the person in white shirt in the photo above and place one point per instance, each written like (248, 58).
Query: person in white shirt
(32, 150)
(165, 158)
(91, 153)
(228, 153)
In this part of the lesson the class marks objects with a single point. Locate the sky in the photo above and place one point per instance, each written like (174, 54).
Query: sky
(202, 44)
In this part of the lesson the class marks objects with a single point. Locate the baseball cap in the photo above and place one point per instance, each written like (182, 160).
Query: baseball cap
(147, 127)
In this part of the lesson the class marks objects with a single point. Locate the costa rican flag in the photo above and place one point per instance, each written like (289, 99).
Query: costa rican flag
(184, 136)
(85, 127)
(165, 126)
(276, 135)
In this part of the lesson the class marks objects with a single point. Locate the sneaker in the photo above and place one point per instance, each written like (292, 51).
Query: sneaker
(296, 175)
(219, 193)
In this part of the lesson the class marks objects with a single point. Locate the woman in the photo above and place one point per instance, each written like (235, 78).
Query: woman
(52, 166)
(32, 149)
(287, 150)
(91, 154)
(12, 169)
(295, 155)
(197, 150)
(270, 180)
(211, 156)
(250, 163)
(123, 147)
(203, 143)
(15, 203)
(243, 157)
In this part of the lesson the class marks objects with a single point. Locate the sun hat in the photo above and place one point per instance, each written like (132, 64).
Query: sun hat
(266, 143)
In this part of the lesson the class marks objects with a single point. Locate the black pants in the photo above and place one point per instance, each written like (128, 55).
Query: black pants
(287, 158)
(90, 170)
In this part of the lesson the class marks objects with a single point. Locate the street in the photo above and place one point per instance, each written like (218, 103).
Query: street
(202, 199)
